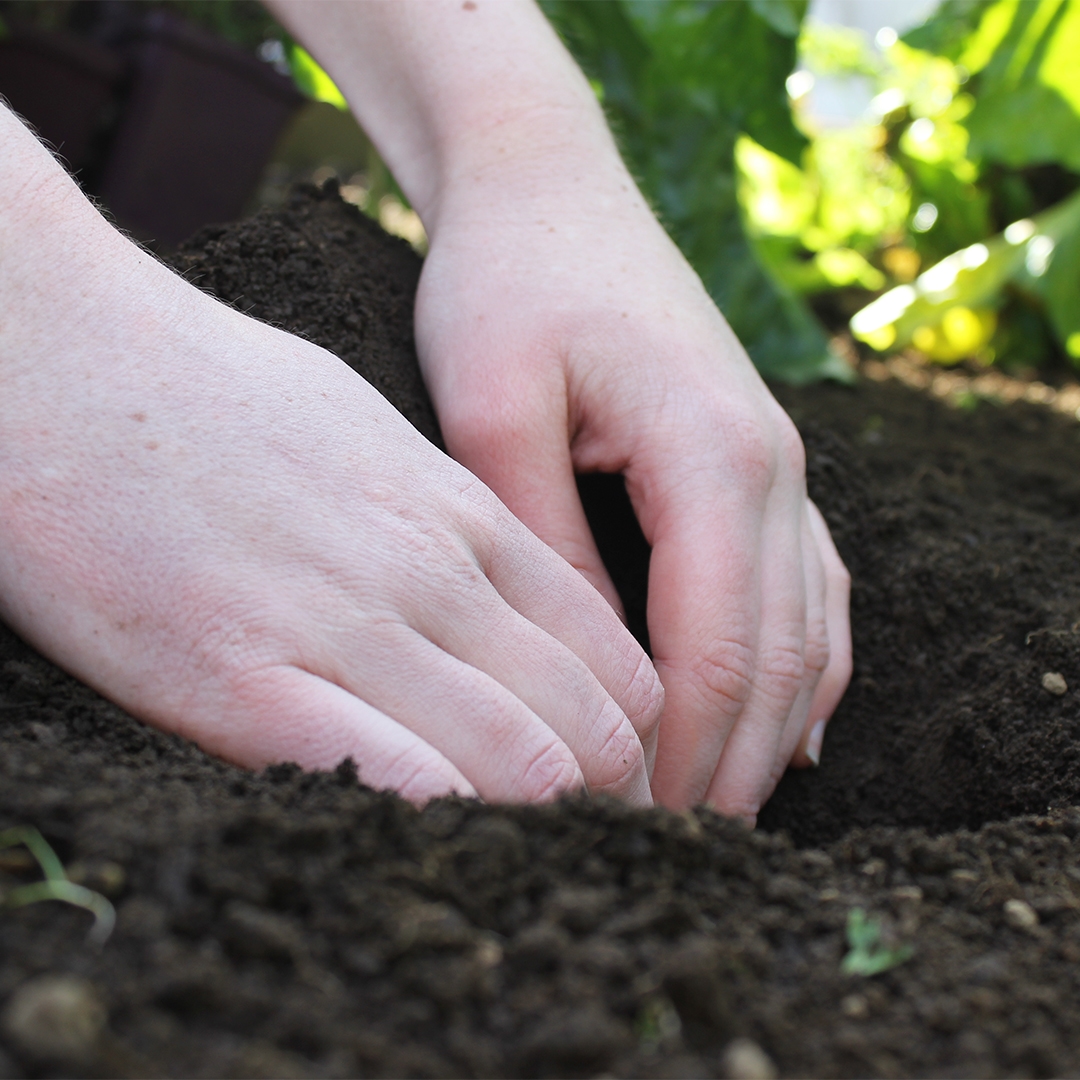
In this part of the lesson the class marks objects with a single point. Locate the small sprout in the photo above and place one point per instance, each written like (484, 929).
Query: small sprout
(56, 885)
(657, 1022)
(868, 956)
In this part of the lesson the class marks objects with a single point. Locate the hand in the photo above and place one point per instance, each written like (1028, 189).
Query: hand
(230, 534)
(560, 331)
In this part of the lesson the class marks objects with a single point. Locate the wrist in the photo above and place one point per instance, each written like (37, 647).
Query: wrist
(543, 161)
(73, 285)
(460, 99)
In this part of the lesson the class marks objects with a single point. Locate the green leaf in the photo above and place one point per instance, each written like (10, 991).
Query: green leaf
(784, 16)
(867, 955)
(1039, 257)
(949, 30)
(312, 80)
(1027, 109)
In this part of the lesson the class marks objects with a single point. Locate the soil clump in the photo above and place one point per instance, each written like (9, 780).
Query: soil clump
(291, 925)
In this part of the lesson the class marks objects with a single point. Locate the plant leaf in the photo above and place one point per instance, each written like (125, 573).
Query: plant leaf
(1033, 73)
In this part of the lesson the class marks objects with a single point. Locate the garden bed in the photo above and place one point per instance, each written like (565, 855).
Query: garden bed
(293, 925)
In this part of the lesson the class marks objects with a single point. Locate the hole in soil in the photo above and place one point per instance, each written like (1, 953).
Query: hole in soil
(963, 705)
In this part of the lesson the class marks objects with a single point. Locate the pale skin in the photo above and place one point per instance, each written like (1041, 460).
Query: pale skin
(230, 534)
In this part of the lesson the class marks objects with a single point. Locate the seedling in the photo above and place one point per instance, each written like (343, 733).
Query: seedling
(868, 956)
(56, 885)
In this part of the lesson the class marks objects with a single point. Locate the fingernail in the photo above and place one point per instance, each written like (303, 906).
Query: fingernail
(813, 744)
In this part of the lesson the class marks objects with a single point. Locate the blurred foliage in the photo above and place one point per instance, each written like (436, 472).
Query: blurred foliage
(681, 82)
(956, 187)
(312, 80)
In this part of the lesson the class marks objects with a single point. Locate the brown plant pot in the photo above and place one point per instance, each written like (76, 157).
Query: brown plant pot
(65, 87)
(200, 122)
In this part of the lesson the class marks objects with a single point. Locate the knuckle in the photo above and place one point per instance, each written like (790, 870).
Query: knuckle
(619, 761)
(783, 670)
(736, 804)
(413, 774)
(725, 672)
(551, 773)
(818, 650)
(645, 698)
(231, 639)
(762, 448)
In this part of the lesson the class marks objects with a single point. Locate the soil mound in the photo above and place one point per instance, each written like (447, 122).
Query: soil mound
(291, 925)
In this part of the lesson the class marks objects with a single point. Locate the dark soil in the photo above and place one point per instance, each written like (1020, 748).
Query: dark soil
(299, 925)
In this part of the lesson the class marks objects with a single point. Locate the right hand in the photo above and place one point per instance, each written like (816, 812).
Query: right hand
(230, 534)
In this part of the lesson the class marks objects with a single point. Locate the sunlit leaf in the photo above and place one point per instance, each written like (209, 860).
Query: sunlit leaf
(312, 80)
(949, 32)
(1040, 256)
(1028, 104)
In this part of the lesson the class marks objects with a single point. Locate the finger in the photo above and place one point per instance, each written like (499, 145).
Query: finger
(516, 662)
(285, 714)
(816, 650)
(506, 750)
(749, 765)
(836, 676)
(704, 615)
(551, 598)
(524, 457)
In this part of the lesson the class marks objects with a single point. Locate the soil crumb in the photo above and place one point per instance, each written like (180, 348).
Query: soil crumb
(292, 925)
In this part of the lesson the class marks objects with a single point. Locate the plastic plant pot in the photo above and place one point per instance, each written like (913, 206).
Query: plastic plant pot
(65, 87)
(199, 125)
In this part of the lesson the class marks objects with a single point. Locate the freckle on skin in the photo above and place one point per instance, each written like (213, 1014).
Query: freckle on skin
(139, 417)
(468, 6)
(151, 445)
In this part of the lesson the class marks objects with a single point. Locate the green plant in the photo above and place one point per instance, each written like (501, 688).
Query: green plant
(1022, 126)
(868, 955)
(56, 885)
(681, 81)
(963, 167)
